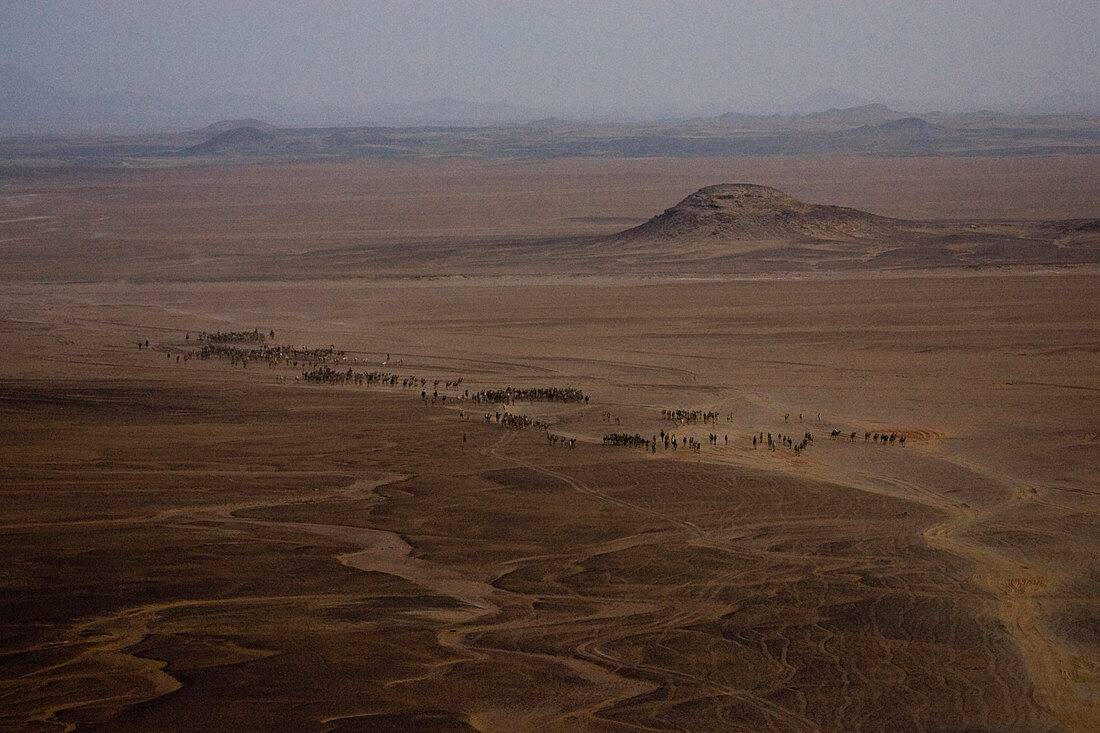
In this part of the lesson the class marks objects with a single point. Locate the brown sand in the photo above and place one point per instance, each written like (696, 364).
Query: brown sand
(192, 545)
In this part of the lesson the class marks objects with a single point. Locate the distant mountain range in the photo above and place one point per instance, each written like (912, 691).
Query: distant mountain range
(866, 130)
(28, 105)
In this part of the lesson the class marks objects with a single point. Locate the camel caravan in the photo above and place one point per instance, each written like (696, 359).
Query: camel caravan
(226, 345)
(670, 441)
(234, 337)
(685, 417)
(629, 441)
(274, 356)
(509, 395)
(882, 438)
(785, 441)
(240, 348)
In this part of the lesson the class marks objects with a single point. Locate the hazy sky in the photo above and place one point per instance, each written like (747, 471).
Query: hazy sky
(737, 55)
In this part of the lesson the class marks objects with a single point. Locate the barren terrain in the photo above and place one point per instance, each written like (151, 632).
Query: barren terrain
(229, 543)
(866, 130)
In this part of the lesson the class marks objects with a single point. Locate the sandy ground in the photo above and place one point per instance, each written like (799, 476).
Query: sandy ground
(193, 544)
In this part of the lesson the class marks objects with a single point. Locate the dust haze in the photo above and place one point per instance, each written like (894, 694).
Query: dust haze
(561, 59)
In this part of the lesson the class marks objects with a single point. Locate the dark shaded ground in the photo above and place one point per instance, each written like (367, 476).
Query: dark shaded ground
(622, 592)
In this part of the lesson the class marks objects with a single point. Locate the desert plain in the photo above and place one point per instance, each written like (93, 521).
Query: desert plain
(227, 544)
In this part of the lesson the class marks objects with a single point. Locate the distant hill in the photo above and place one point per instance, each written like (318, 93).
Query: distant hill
(747, 228)
(27, 104)
(864, 114)
(243, 141)
(905, 135)
(867, 114)
(227, 125)
(872, 129)
(733, 212)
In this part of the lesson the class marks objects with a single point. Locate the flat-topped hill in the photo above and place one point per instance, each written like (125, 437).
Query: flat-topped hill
(745, 211)
(744, 227)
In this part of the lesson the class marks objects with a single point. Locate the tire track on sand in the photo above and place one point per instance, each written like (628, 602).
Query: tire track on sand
(387, 552)
(777, 715)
